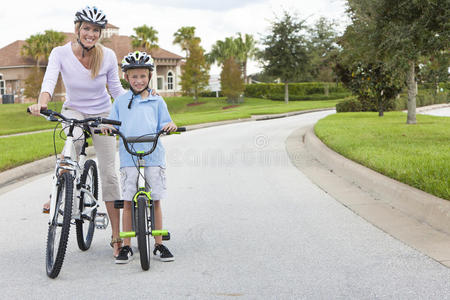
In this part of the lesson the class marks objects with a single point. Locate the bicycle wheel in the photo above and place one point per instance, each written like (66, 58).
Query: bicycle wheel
(143, 232)
(86, 225)
(58, 230)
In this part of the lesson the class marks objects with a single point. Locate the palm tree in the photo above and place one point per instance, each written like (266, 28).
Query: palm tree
(39, 46)
(146, 37)
(184, 37)
(246, 50)
(222, 50)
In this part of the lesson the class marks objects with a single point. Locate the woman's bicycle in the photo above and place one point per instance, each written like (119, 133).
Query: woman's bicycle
(74, 193)
(143, 211)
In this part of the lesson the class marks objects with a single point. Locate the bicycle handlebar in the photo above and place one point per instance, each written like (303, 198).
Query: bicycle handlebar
(52, 114)
(140, 139)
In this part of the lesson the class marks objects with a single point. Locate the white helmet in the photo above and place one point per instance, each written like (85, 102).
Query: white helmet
(91, 15)
(137, 60)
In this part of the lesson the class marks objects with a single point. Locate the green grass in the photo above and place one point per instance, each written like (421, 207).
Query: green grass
(212, 109)
(18, 150)
(418, 155)
(14, 119)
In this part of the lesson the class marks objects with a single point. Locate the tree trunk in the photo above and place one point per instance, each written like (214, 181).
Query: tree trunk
(327, 89)
(245, 72)
(286, 93)
(380, 108)
(412, 92)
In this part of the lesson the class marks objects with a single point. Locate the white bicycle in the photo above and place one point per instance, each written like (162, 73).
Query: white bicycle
(74, 196)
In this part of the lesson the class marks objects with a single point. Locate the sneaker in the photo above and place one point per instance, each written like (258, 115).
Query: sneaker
(125, 255)
(164, 253)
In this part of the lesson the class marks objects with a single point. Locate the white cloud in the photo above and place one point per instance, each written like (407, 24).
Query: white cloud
(214, 20)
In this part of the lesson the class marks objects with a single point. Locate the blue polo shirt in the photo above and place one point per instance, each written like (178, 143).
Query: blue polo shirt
(146, 116)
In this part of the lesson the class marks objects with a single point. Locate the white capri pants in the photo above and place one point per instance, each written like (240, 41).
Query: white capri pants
(105, 148)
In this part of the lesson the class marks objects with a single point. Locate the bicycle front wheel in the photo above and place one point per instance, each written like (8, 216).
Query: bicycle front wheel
(143, 232)
(58, 230)
(86, 225)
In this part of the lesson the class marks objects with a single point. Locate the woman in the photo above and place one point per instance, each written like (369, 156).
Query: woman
(86, 68)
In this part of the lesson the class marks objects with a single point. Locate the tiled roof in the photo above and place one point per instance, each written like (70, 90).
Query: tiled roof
(10, 55)
(121, 44)
(109, 25)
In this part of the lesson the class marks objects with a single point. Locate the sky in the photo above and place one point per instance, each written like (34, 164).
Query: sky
(214, 20)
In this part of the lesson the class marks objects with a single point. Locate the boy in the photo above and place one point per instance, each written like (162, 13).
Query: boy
(141, 114)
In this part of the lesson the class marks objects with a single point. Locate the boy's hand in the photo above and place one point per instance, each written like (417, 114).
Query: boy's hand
(106, 129)
(169, 127)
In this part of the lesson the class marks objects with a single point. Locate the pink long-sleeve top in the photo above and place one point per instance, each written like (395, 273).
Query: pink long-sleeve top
(83, 93)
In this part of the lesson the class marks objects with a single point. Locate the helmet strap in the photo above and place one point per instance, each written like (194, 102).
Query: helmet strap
(135, 93)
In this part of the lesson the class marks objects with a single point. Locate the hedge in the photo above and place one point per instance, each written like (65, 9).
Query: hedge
(333, 96)
(266, 90)
(351, 105)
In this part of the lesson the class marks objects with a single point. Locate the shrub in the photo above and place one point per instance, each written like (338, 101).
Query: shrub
(351, 105)
(265, 90)
(423, 98)
(125, 84)
(210, 94)
(280, 97)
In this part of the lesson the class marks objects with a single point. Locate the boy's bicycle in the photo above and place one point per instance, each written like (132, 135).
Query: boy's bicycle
(143, 211)
(74, 193)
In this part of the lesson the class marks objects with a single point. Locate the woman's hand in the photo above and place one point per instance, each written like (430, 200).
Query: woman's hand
(169, 127)
(154, 93)
(35, 109)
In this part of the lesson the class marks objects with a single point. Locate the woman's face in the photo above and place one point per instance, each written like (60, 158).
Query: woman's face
(89, 34)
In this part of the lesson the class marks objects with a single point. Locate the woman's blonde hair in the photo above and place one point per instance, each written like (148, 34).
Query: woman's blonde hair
(97, 55)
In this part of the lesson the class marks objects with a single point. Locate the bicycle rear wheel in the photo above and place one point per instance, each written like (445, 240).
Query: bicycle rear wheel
(143, 232)
(86, 225)
(58, 230)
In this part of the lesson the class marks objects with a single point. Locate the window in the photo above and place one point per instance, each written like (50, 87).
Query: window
(170, 80)
(2, 85)
(160, 83)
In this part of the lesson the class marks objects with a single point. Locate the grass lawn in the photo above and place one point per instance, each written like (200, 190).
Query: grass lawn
(418, 155)
(18, 150)
(14, 118)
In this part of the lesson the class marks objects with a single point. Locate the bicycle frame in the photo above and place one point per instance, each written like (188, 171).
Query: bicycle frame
(69, 163)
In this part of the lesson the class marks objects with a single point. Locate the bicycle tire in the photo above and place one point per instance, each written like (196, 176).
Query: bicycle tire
(143, 236)
(61, 220)
(85, 227)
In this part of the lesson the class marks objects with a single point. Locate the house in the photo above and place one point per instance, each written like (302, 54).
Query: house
(14, 68)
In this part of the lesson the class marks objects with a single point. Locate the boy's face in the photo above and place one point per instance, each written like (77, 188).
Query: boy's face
(138, 78)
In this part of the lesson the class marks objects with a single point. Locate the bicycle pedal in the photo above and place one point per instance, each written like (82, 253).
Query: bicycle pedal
(101, 221)
(166, 237)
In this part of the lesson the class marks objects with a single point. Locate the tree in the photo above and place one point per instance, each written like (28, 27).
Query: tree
(240, 48)
(195, 77)
(323, 50)
(184, 37)
(375, 84)
(39, 46)
(285, 55)
(231, 81)
(222, 50)
(146, 38)
(398, 33)
(245, 50)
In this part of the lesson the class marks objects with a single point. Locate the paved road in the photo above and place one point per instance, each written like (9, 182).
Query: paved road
(245, 224)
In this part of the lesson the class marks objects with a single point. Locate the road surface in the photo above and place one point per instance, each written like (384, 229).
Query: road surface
(245, 224)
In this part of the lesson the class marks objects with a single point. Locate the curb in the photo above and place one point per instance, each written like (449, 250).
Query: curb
(32, 169)
(415, 203)
(412, 216)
